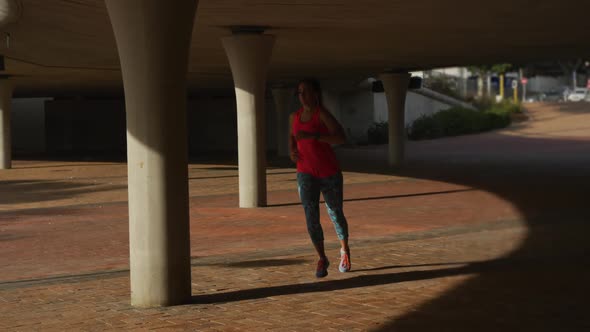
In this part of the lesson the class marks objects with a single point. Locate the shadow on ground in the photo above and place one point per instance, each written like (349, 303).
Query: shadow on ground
(230, 176)
(543, 284)
(59, 167)
(15, 192)
(540, 286)
(430, 193)
(266, 263)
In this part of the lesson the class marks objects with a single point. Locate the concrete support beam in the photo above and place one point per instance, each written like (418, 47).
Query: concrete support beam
(5, 125)
(396, 86)
(10, 11)
(153, 39)
(249, 55)
(282, 98)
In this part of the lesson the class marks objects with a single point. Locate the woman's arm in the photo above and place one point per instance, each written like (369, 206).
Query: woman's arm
(337, 135)
(293, 154)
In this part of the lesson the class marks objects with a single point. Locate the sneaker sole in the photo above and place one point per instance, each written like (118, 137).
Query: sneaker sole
(320, 275)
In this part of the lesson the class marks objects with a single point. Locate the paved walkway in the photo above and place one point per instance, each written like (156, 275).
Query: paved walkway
(482, 232)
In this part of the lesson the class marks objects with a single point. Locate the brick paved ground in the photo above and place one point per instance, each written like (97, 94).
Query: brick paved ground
(483, 232)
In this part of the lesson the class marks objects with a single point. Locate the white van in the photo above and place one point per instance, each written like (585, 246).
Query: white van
(578, 94)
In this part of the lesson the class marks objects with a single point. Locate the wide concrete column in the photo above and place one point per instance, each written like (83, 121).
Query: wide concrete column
(5, 134)
(249, 55)
(153, 38)
(396, 86)
(282, 97)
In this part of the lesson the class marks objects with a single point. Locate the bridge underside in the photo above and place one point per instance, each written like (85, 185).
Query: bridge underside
(68, 46)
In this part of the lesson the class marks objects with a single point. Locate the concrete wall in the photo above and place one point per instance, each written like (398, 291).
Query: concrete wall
(85, 127)
(333, 103)
(275, 128)
(380, 113)
(545, 83)
(97, 127)
(465, 83)
(418, 105)
(358, 110)
(28, 126)
(213, 126)
(357, 114)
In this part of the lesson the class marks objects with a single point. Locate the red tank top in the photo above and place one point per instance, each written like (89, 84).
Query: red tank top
(315, 157)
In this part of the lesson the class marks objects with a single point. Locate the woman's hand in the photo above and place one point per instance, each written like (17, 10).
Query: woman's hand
(302, 134)
(294, 156)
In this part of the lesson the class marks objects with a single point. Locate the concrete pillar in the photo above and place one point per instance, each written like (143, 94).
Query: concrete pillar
(396, 86)
(249, 55)
(282, 97)
(153, 39)
(10, 12)
(5, 125)
(480, 85)
(501, 86)
(463, 82)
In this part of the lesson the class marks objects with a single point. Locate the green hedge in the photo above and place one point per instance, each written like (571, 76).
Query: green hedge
(378, 133)
(460, 121)
(452, 122)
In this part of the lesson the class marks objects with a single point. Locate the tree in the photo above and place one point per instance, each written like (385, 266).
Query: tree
(484, 70)
(501, 69)
(570, 67)
(481, 71)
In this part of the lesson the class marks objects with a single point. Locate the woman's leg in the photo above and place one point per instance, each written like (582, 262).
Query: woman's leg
(309, 192)
(332, 189)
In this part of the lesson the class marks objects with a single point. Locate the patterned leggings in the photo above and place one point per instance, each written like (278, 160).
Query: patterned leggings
(309, 191)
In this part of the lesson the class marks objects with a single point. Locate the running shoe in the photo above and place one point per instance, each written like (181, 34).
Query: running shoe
(322, 268)
(344, 261)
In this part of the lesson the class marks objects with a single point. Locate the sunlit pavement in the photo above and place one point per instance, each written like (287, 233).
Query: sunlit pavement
(480, 232)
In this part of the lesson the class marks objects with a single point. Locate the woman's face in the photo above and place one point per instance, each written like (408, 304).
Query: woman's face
(307, 96)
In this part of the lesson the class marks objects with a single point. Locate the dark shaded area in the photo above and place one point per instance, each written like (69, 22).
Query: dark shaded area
(66, 165)
(15, 192)
(233, 176)
(572, 108)
(228, 168)
(498, 268)
(326, 286)
(391, 267)
(212, 127)
(78, 127)
(266, 263)
(11, 237)
(94, 128)
(546, 286)
(56, 280)
(212, 177)
(384, 197)
(546, 289)
(540, 286)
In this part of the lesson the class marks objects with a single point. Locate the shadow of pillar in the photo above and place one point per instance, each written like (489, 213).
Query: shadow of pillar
(547, 289)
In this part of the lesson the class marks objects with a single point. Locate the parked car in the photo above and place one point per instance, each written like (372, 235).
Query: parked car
(578, 94)
(550, 96)
(566, 92)
(553, 96)
(531, 98)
